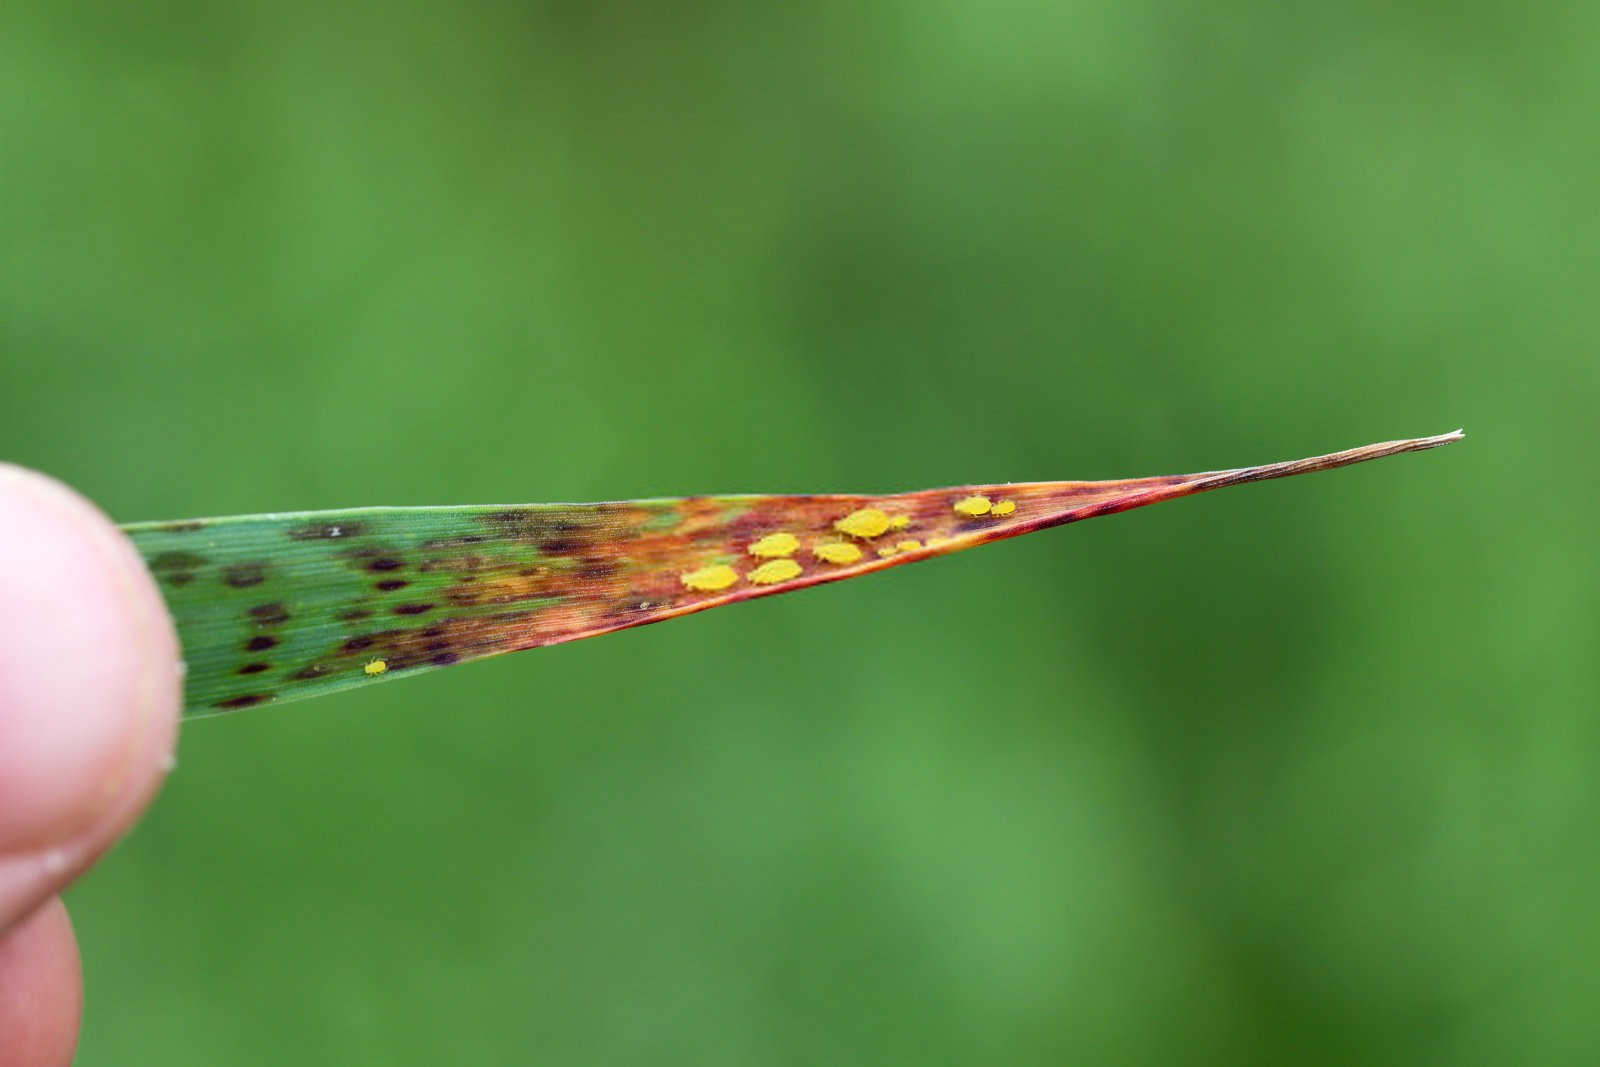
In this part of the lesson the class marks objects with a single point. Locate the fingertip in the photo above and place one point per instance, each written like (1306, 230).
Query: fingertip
(41, 990)
(89, 689)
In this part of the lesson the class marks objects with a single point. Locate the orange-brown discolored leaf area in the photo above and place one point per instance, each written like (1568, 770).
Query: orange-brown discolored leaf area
(282, 606)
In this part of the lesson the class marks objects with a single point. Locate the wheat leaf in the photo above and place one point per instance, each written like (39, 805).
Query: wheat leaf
(282, 606)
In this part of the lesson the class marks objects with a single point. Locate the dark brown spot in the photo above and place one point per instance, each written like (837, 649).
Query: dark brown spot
(269, 614)
(255, 668)
(244, 575)
(356, 644)
(306, 674)
(413, 609)
(355, 615)
(176, 568)
(389, 585)
(248, 701)
(327, 531)
(560, 546)
(433, 631)
(260, 643)
(598, 570)
(384, 563)
(514, 616)
(189, 526)
(531, 524)
(444, 659)
(436, 646)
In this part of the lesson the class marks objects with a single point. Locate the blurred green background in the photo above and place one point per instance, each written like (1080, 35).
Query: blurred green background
(1300, 772)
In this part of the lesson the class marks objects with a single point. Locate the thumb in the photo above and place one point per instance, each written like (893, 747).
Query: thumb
(89, 688)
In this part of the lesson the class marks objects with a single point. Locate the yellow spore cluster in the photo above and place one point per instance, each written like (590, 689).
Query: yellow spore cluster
(377, 666)
(774, 546)
(898, 547)
(865, 523)
(774, 571)
(1003, 508)
(837, 552)
(972, 506)
(709, 579)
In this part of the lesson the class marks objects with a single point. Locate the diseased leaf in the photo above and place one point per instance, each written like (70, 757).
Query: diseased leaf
(282, 606)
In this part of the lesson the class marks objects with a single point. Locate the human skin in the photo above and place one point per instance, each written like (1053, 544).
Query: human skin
(90, 689)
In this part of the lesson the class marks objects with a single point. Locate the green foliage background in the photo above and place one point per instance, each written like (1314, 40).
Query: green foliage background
(1301, 772)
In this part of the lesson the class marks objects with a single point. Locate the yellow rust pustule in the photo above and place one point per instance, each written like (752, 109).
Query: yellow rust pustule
(837, 552)
(709, 579)
(1003, 508)
(865, 523)
(774, 571)
(377, 666)
(899, 522)
(774, 546)
(972, 506)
